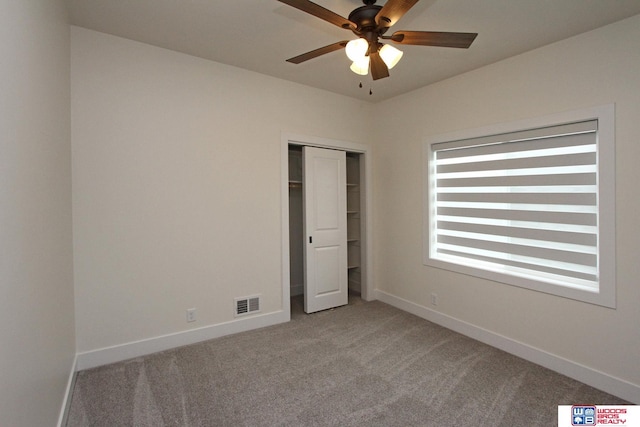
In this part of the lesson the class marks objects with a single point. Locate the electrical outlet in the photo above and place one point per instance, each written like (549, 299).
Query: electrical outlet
(434, 299)
(191, 315)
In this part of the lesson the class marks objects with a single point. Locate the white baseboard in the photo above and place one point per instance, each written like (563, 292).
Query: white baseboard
(66, 402)
(600, 380)
(105, 356)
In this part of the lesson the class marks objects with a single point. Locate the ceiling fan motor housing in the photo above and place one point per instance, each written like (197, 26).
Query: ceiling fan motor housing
(365, 19)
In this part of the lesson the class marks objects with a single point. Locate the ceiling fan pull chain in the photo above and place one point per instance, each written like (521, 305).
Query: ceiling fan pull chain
(370, 90)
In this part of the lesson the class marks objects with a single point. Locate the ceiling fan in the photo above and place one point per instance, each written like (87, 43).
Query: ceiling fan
(370, 23)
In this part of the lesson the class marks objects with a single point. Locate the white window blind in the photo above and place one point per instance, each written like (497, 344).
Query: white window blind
(523, 203)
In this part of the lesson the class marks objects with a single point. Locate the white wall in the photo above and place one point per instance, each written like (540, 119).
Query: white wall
(36, 283)
(176, 183)
(595, 68)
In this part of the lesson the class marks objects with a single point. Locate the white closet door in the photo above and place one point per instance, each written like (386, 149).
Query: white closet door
(325, 212)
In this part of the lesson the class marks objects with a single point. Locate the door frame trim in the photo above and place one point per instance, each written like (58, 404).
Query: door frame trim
(367, 291)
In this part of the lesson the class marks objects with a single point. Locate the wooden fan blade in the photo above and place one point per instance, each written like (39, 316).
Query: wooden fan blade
(315, 53)
(379, 69)
(320, 12)
(392, 11)
(434, 38)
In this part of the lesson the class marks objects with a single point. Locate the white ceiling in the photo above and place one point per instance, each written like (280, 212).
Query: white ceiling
(259, 35)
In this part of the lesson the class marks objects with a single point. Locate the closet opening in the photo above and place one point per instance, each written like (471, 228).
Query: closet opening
(352, 214)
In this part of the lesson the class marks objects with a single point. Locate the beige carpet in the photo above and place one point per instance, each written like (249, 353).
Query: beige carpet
(365, 364)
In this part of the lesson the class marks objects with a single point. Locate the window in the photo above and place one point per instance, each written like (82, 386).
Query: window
(529, 204)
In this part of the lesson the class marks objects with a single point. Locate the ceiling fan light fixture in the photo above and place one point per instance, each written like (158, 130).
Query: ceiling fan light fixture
(390, 55)
(361, 66)
(357, 49)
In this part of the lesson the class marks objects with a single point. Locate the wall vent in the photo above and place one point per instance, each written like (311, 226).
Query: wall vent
(247, 305)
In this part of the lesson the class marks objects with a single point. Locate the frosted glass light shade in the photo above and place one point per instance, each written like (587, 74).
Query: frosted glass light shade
(356, 49)
(390, 55)
(361, 66)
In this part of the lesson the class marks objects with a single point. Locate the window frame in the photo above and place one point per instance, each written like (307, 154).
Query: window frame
(605, 142)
